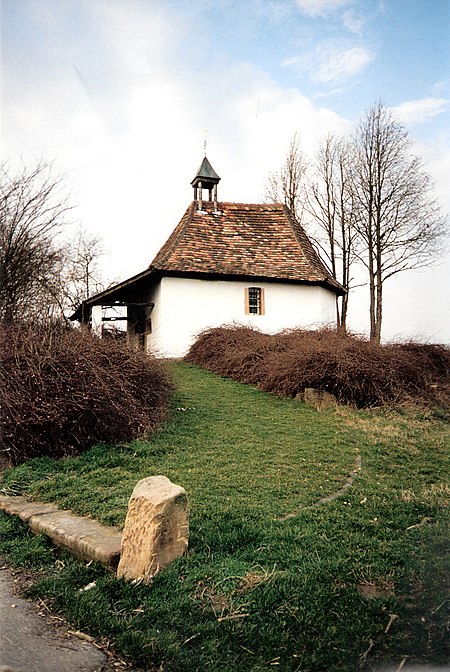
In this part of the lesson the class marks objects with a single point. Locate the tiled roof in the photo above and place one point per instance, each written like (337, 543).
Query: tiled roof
(259, 240)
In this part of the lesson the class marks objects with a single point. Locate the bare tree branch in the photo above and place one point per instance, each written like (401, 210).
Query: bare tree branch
(32, 213)
(398, 221)
(41, 277)
(329, 203)
(82, 271)
(285, 186)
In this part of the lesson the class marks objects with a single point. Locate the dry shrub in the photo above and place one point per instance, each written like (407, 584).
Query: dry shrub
(63, 390)
(233, 351)
(352, 368)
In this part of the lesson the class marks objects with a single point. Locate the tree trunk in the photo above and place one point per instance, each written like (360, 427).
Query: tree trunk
(344, 309)
(379, 306)
(372, 307)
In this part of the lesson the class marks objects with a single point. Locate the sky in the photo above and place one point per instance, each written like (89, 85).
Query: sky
(122, 94)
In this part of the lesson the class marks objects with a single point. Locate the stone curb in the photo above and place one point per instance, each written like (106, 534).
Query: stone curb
(83, 537)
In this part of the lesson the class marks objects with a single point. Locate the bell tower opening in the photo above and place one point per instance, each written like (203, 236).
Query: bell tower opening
(206, 178)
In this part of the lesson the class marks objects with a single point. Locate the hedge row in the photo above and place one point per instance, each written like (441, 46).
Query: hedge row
(64, 390)
(352, 368)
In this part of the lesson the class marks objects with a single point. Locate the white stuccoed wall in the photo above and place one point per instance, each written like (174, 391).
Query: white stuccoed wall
(97, 321)
(184, 307)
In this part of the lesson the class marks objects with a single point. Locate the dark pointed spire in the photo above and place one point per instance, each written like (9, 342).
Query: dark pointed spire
(206, 178)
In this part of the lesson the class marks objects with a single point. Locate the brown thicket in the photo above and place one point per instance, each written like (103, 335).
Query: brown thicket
(64, 390)
(355, 370)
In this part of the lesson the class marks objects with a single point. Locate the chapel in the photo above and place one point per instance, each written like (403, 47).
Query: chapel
(224, 263)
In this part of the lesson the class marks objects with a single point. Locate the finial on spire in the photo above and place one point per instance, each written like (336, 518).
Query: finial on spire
(205, 131)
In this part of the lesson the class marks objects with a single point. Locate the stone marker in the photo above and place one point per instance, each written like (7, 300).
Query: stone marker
(319, 399)
(156, 528)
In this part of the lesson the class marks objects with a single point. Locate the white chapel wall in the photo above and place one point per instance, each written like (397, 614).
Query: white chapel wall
(154, 317)
(97, 320)
(184, 307)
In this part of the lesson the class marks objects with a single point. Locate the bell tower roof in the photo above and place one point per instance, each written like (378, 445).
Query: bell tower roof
(206, 178)
(206, 175)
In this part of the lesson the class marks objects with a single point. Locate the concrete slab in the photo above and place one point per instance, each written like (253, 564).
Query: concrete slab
(29, 642)
(24, 508)
(84, 537)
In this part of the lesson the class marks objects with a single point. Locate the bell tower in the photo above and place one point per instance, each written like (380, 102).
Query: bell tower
(206, 178)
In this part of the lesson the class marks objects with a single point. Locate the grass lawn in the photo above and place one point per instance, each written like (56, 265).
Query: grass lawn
(340, 586)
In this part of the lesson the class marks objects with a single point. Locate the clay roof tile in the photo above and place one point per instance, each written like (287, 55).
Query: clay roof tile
(259, 240)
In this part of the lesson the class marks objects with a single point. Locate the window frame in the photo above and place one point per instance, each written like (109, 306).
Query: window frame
(260, 306)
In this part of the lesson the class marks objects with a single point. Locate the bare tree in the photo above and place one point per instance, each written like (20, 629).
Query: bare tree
(285, 185)
(82, 271)
(399, 222)
(32, 213)
(41, 276)
(329, 202)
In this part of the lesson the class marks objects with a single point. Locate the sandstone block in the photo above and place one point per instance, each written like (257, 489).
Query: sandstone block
(156, 528)
(84, 537)
(24, 508)
(319, 399)
(81, 536)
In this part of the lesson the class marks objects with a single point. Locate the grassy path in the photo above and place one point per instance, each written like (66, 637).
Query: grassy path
(231, 447)
(334, 588)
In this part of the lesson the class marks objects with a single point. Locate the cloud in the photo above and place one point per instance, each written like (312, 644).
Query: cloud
(339, 65)
(420, 111)
(276, 113)
(331, 63)
(321, 7)
(351, 22)
(123, 112)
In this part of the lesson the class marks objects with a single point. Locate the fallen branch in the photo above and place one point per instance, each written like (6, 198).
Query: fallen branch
(425, 521)
(363, 658)
(392, 618)
(231, 617)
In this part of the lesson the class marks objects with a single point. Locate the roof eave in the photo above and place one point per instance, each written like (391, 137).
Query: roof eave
(333, 286)
(98, 299)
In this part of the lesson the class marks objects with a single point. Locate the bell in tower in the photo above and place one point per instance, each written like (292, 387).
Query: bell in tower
(206, 178)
